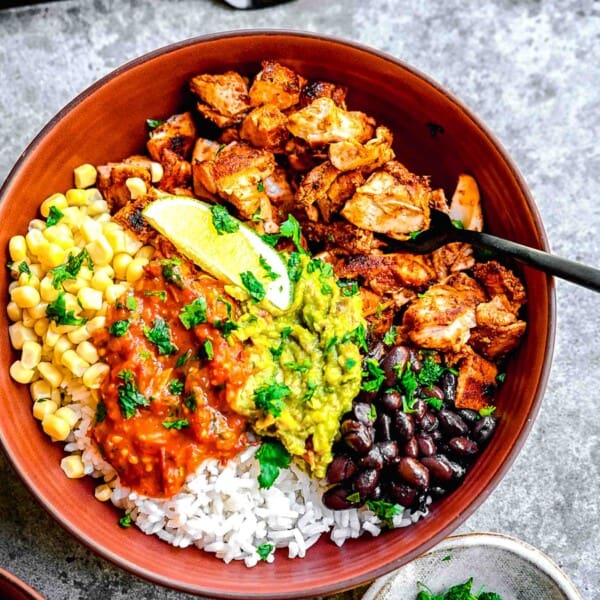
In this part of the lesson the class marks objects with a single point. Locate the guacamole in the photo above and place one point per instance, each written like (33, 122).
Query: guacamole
(306, 363)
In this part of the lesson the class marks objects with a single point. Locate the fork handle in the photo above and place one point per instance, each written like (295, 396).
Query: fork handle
(570, 270)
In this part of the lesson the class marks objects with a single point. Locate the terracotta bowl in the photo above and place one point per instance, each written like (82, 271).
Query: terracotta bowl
(435, 134)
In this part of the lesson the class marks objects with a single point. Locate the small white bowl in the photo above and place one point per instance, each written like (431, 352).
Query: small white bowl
(503, 564)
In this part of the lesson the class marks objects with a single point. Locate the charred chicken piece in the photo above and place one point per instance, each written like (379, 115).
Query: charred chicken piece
(177, 135)
(265, 127)
(276, 84)
(476, 382)
(349, 155)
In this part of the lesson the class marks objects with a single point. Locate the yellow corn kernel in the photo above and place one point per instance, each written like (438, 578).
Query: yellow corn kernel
(156, 171)
(136, 186)
(74, 362)
(76, 197)
(100, 251)
(28, 320)
(102, 492)
(135, 269)
(35, 240)
(73, 216)
(40, 389)
(90, 229)
(37, 224)
(84, 176)
(40, 327)
(38, 311)
(115, 236)
(17, 248)
(57, 200)
(88, 352)
(47, 290)
(25, 296)
(132, 244)
(95, 324)
(31, 354)
(29, 279)
(74, 285)
(68, 414)
(120, 263)
(71, 303)
(51, 336)
(101, 280)
(19, 333)
(58, 429)
(42, 407)
(61, 346)
(113, 292)
(95, 374)
(145, 252)
(72, 466)
(50, 373)
(52, 255)
(13, 311)
(59, 234)
(37, 270)
(89, 298)
(96, 204)
(20, 373)
(79, 335)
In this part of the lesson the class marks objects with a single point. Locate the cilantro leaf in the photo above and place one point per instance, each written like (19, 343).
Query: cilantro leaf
(278, 351)
(126, 521)
(177, 424)
(264, 263)
(54, 216)
(194, 313)
(176, 386)
(254, 287)
(57, 311)
(348, 287)
(171, 273)
(154, 123)
(119, 328)
(294, 267)
(71, 268)
(272, 457)
(24, 268)
(430, 371)
(129, 397)
(222, 221)
(264, 550)
(373, 376)
(160, 336)
(386, 511)
(269, 398)
(290, 228)
(390, 336)
(208, 350)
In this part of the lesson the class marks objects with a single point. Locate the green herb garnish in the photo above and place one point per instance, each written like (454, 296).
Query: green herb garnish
(160, 336)
(462, 591)
(194, 313)
(126, 521)
(154, 123)
(272, 457)
(373, 375)
(100, 411)
(129, 397)
(254, 287)
(267, 268)
(290, 228)
(386, 511)
(54, 216)
(176, 386)
(119, 328)
(222, 221)
(389, 337)
(177, 424)
(71, 268)
(264, 550)
(208, 350)
(57, 311)
(162, 294)
(269, 398)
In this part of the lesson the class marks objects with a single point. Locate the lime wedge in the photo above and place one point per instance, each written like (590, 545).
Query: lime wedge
(188, 224)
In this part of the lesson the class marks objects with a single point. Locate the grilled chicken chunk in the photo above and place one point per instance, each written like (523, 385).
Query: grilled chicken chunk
(130, 217)
(323, 89)
(316, 183)
(277, 85)
(323, 122)
(392, 201)
(465, 205)
(498, 280)
(476, 382)
(177, 135)
(237, 174)
(341, 236)
(112, 179)
(349, 155)
(442, 318)
(223, 99)
(265, 127)
(451, 258)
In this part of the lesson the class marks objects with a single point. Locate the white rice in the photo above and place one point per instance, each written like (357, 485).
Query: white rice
(221, 508)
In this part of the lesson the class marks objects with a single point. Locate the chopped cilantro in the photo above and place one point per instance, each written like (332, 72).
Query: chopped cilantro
(194, 313)
(271, 456)
(290, 228)
(160, 336)
(171, 273)
(277, 352)
(260, 186)
(254, 287)
(294, 266)
(160, 293)
(119, 328)
(331, 342)
(269, 398)
(372, 412)
(486, 411)
(301, 367)
(386, 511)
(390, 336)
(190, 402)
(348, 287)
(100, 411)
(208, 350)
(350, 363)
(501, 377)
(71, 268)
(131, 303)
(183, 358)
(177, 424)
(267, 267)
(54, 216)
(358, 336)
(57, 311)
(24, 268)
(461, 591)
(226, 326)
(126, 521)
(373, 375)
(129, 397)
(222, 221)
(176, 386)
(413, 235)
(430, 372)
(264, 550)
(310, 391)
(270, 239)
(154, 123)
(435, 402)
(458, 224)
(354, 497)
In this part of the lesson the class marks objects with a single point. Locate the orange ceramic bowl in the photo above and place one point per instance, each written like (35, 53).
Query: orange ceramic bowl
(434, 134)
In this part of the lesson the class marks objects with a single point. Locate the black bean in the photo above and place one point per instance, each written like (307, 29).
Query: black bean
(336, 498)
(393, 362)
(451, 423)
(388, 450)
(363, 412)
(425, 444)
(383, 427)
(437, 491)
(372, 459)
(415, 361)
(438, 466)
(483, 430)
(366, 481)
(420, 408)
(404, 425)
(391, 401)
(402, 493)
(433, 391)
(377, 351)
(411, 448)
(463, 446)
(357, 435)
(458, 471)
(414, 473)
(469, 416)
(436, 435)
(340, 468)
(428, 422)
(448, 384)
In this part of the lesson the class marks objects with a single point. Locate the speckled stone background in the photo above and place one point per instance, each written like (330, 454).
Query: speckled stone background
(529, 68)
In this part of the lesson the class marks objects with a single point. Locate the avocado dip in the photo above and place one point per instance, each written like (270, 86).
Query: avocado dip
(305, 363)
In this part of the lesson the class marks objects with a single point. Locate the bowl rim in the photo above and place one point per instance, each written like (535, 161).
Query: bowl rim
(490, 539)
(20, 588)
(459, 517)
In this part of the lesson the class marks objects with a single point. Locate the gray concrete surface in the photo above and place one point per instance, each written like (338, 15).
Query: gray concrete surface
(529, 68)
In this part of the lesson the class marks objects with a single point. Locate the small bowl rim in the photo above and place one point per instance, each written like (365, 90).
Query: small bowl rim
(458, 517)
